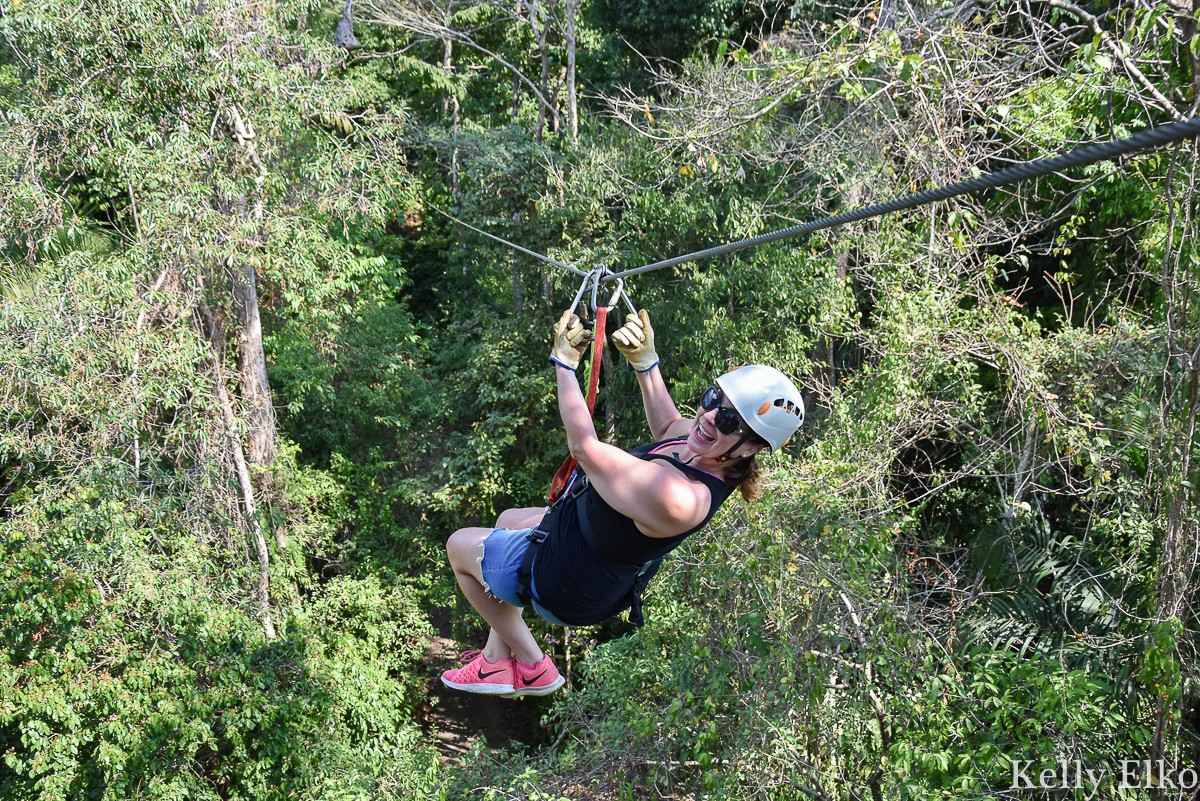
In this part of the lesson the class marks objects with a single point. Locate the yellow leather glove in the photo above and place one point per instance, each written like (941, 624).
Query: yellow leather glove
(635, 340)
(570, 340)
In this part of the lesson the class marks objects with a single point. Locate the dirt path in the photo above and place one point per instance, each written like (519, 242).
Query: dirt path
(455, 719)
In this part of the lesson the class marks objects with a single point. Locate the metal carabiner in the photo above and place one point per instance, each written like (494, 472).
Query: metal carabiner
(594, 277)
(600, 270)
(588, 277)
(619, 294)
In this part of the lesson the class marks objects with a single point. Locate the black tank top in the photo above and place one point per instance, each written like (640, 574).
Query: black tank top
(592, 556)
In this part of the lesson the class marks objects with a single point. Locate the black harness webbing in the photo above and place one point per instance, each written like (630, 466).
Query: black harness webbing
(525, 571)
(577, 482)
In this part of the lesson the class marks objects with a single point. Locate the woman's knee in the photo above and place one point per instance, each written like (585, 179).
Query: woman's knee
(463, 546)
(508, 518)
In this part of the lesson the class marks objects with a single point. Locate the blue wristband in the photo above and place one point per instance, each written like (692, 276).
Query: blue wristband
(556, 361)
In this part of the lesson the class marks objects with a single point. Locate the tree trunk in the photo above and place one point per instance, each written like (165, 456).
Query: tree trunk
(1185, 18)
(243, 284)
(539, 32)
(262, 587)
(1180, 541)
(572, 101)
(213, 332)
(252, 362)
(252, 367)
(452, 109)
(1176, 563)
(516, 275)
(556, 123)
(447, 52)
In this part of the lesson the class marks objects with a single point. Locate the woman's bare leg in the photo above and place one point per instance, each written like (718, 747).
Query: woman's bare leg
(509, 632)
(517, 519)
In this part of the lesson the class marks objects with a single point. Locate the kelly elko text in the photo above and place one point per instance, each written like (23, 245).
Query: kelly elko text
(1134, 774)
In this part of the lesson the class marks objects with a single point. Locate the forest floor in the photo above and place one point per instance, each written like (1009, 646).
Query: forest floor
(457, 720)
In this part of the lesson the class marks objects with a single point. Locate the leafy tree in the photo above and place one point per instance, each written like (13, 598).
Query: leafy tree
(980, 549)
(673, 30)
(169, 178)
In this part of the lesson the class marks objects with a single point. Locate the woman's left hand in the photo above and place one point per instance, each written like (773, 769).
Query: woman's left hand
(570, 340)
(635, 340)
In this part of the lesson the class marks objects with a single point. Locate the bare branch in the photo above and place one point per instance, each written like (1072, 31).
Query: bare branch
(422, 23)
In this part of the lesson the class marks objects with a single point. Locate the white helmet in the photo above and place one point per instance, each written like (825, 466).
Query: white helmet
(767, 401)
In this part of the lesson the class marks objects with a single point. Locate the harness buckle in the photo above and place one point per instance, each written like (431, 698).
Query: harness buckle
(577, 482)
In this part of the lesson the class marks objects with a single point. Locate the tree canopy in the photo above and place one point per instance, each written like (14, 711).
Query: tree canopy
(253, 376)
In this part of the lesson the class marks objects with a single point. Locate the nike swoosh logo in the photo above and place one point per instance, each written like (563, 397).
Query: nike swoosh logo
(483, 675)
(528, 682)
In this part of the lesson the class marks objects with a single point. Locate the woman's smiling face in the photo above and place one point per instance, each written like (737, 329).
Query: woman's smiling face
(705, 438)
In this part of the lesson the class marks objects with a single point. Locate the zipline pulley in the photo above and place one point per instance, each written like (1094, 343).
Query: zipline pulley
(593, 278)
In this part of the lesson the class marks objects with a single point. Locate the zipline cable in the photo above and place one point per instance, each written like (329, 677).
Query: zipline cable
(547, 259)
(1090, 154)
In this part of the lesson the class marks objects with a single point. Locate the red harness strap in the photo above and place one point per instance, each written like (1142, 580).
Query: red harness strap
(559, 482)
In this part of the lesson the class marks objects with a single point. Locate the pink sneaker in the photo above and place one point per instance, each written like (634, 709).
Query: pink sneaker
(478, 675)
(540, 679)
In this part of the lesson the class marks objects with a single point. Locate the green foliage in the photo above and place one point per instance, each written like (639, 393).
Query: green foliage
(127, 667)
(135, 661)
(672, 30)
(978, 551)
(134, 664)
(999, 709)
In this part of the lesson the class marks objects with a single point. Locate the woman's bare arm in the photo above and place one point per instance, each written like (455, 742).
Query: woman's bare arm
(657, 497)
(664, 419)
(635, 340)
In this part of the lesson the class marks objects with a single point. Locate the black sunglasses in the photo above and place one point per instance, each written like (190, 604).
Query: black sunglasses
(728, 420)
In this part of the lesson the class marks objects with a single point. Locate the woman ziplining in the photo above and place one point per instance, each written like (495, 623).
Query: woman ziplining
(589, 555)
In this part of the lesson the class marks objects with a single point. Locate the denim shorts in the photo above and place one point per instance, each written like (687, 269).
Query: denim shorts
(503, 551)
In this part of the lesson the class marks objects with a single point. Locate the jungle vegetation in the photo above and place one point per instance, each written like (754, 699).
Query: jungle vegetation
(251, 378)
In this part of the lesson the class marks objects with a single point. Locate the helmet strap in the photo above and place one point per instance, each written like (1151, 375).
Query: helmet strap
(728, 455)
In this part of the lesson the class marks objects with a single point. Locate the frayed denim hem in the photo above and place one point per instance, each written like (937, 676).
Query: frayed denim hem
(479, 560)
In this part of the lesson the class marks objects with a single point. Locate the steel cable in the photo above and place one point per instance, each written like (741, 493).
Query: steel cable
(1089, 154)
(526, 251)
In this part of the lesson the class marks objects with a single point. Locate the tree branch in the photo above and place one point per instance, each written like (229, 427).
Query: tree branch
(396, 15)
(1118, 54)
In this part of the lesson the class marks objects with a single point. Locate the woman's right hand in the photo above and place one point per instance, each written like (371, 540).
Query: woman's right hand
(635, 340)
(570, 340)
